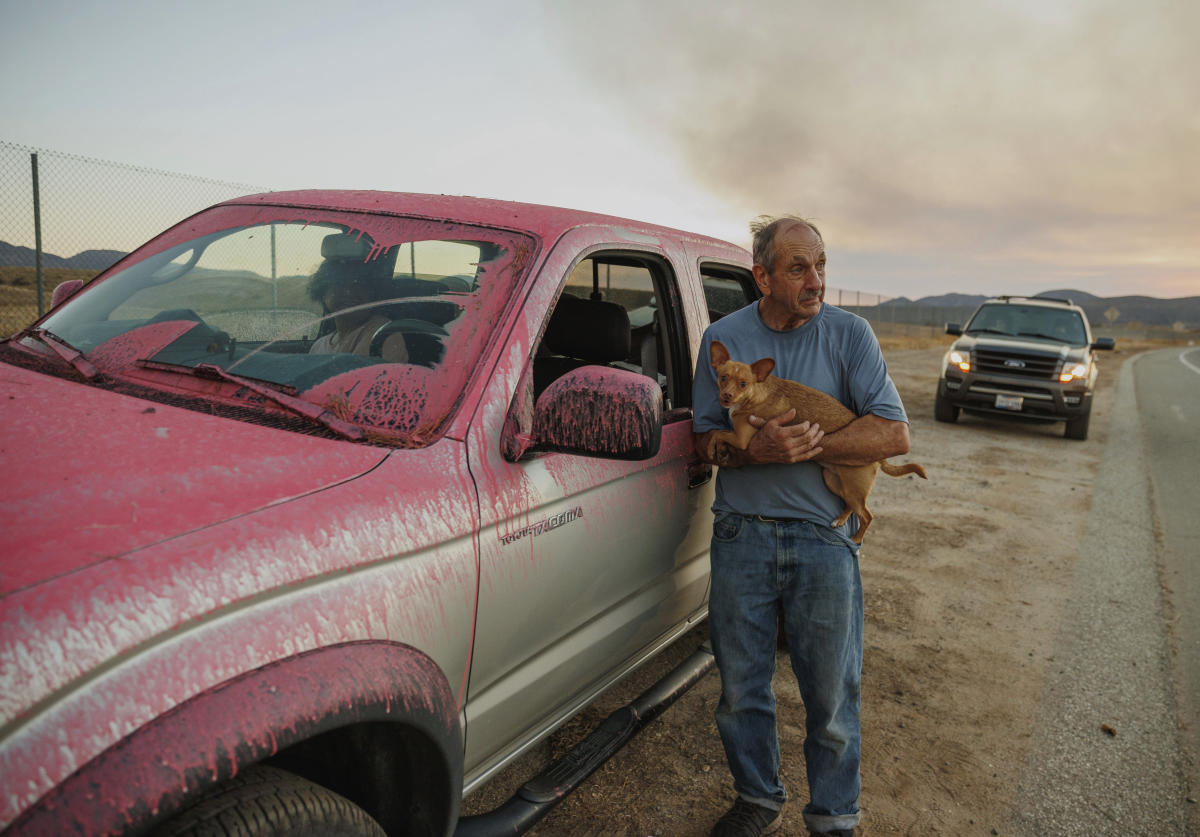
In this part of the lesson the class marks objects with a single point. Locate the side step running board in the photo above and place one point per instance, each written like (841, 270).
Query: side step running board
(535, 799)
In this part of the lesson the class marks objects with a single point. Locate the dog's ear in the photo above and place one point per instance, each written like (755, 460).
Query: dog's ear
(717, 353)
(762, 368)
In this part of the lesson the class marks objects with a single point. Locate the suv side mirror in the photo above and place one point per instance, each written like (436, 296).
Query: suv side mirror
(954, 328)
(600, 411)
(1104, 343)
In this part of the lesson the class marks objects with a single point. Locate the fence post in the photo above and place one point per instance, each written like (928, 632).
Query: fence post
(37, 234)
(274, 271)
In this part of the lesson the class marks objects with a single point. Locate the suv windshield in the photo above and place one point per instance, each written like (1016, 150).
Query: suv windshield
(1039, 322)
(378, 319)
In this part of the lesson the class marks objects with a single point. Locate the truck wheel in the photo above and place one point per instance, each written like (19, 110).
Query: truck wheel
(943, 410)
(264, 801)
(1078, 428)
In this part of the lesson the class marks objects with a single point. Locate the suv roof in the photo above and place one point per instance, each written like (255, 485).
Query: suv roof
(1049, 300)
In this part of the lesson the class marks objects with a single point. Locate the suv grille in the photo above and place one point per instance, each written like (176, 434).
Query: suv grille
(1016, 363)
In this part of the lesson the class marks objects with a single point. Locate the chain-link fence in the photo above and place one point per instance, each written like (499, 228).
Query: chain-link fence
(1151, 320)
(888, 309)
(81, 215)
(898, 317)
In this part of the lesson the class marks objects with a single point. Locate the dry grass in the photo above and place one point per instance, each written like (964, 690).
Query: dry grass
(26, 277)
(1132, 346)
(18, 307)
(18, 293)
(898, 343)
(218, 292)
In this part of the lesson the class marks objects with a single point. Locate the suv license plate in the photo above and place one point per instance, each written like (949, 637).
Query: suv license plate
(1009, 402)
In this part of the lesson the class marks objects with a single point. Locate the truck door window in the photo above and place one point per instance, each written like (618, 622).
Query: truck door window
(588, 324)
(726, 289)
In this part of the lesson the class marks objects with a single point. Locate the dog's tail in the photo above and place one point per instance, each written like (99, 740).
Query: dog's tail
(901, 470)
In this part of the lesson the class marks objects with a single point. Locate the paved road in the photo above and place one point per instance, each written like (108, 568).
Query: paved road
(1168, 392)
(1112, 665)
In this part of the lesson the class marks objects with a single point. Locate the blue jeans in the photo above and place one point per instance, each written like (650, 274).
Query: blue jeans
(809, 573)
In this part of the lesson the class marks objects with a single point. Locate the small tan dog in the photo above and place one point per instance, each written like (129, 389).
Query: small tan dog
(751, 389)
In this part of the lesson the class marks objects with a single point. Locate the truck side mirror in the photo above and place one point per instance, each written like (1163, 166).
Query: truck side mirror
(64, 291)
(953, 328)
(600, 411)
(1104, 343)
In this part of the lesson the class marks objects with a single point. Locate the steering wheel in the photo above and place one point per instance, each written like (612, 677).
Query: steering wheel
(214, 339)
(420, 350)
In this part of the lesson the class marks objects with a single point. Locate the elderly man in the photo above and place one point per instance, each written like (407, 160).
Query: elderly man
(775, 560)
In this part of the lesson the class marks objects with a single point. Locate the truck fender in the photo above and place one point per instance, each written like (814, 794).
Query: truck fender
(159, 767)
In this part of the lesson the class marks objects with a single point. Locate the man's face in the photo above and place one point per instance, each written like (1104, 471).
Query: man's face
(795, 286)
(348, 294)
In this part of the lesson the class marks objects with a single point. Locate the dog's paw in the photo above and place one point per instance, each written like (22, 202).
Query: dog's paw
(723, 454)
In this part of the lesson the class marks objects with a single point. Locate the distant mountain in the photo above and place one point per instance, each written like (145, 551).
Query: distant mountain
(13, 256)
(969, 300)
(97, 260)
(1147, 310)
(1144, 309)
(943, 301)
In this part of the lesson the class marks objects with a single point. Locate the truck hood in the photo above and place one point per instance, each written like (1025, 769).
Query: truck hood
(92, 475)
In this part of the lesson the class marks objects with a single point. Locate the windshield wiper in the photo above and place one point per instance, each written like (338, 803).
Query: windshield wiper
(989, 331)
(64, 350)
(297, 405)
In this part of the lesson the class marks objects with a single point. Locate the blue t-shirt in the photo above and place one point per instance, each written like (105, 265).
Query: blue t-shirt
(835, 352)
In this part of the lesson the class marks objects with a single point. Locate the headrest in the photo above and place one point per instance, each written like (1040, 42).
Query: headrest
(347, 247)
(589, 329)
(356, 256)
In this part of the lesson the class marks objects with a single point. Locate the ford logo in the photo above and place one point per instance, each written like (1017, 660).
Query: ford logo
(1015, 364)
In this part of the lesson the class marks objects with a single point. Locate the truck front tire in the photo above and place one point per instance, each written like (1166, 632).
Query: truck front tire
(1078, 428)
(265, 800)
(943, 410)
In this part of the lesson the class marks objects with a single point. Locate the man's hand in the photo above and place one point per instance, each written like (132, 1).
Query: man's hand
(773, 443)
(777, 441)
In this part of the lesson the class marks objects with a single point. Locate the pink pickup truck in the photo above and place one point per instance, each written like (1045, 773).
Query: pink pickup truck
(323, 506)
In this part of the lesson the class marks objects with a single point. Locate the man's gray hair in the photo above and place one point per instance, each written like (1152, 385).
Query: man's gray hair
(764, 227)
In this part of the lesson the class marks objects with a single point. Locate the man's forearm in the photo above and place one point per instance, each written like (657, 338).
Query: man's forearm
(865, 440)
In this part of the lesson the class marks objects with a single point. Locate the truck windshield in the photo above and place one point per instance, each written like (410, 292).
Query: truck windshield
(379, 318)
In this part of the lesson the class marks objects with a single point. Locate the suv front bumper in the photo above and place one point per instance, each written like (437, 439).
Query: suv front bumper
(1016, 397)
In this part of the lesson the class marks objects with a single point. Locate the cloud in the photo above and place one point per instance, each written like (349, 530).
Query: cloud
(1065, 137)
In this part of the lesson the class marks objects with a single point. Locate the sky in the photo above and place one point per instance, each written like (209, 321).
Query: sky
(978, 147)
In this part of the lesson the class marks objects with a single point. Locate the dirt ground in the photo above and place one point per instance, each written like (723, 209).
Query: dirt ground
(965, 577)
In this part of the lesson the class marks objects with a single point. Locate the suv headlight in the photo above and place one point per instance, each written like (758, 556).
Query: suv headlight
(960, 359)
(1072, 370)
